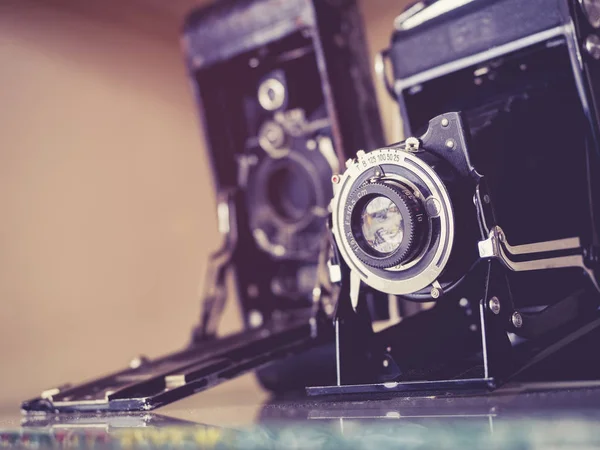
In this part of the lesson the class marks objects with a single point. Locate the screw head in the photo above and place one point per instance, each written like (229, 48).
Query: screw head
(450, 144)
(435, 293)
(386, 363)
(517, 319)
(433, 207)
(486, 199)
(494, 305)
(592, 46)
(445, 122)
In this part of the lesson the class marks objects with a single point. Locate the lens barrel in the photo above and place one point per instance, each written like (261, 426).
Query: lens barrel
(387, 224)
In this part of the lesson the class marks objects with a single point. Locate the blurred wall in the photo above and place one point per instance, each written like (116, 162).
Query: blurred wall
(105, 192)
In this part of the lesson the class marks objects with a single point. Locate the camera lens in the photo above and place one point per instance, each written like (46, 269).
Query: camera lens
(291, 192)
(382, 225)
(387, 223)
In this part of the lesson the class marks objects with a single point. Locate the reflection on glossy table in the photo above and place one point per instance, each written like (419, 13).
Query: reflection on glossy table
(237, 415)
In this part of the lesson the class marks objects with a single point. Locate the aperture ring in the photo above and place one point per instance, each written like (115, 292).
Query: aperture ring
(411, 212)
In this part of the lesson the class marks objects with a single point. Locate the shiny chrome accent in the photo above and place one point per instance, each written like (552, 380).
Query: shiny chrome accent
(272, 139)
(409, 12)
(494, 305)
(271, 94)
(354, 288)
(325, 146)
(380, 71)
(215, 293)
(263, 242)
(592, 46)
(433, 184)
(412, 144)
(462, 63)
(517, 319)
(419, 14)
(496, 246)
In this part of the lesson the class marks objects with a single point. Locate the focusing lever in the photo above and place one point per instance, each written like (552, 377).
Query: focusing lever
(496, 246)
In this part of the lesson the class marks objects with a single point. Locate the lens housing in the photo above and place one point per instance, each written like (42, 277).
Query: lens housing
(412, 224)
(413, 184)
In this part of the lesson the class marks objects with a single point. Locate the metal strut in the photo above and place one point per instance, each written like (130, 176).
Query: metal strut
(496, 246)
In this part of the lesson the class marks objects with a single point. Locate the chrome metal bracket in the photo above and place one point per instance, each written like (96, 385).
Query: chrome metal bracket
(215, 292)
(381, 72)
(497, 246)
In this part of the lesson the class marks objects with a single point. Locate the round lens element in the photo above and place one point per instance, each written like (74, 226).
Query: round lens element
(382, 225)
(291, 192)
(386, 224)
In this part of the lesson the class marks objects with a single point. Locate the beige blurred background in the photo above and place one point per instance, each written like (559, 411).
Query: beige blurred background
(106, 201)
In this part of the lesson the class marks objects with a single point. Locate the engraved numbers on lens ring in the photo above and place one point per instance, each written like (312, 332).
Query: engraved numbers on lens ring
(390, 156)
(407, 163)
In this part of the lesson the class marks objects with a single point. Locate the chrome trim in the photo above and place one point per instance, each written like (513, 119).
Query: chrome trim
(494, 52)
(354, 289)
(496, 246)
(338, 368)
(434, 184)
(380, 70)
(214, 289)
(277, 89)
(486, 370)
(577, 65)
(412, 19)
(408, 13)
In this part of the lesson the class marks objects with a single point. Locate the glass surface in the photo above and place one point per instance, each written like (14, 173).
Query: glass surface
(518, 416)
(382, 225)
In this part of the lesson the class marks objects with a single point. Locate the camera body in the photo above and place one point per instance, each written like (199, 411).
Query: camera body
(491, 213)
(529, 89)
(285, 94)
(417, 220)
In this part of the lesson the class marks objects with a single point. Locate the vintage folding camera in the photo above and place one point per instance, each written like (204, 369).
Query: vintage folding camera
(493, 213)
(285, 94)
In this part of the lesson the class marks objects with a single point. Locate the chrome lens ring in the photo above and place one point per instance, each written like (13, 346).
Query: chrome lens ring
(396, 162)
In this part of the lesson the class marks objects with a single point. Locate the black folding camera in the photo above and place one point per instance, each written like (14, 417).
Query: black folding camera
(492, 213)
(285, 94)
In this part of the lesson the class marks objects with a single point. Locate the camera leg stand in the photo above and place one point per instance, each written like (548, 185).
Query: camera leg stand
(406, 357)
(353, 332)
(215, 292)
(538, 338)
